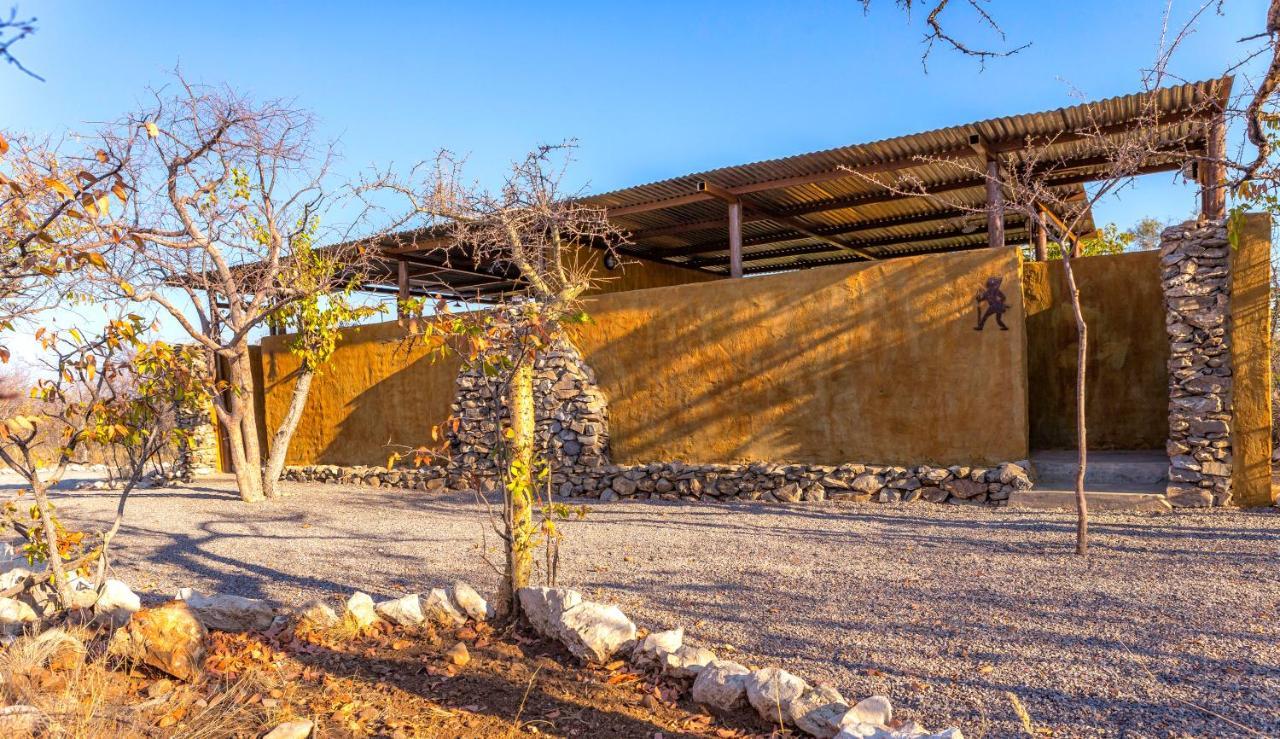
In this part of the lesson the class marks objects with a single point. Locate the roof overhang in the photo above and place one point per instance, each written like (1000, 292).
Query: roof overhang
(849, 204)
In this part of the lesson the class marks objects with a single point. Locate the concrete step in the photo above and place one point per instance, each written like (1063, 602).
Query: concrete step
(1103, 470)
(1136, 500)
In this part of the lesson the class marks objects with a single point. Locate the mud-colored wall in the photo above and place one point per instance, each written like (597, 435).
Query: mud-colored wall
(875, 362)
(1251, 361)
(639, 274)
(381, 390)
(1127, 387)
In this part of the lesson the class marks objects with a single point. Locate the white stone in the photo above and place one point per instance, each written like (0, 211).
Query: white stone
(14, 615)
(651, 649)
(83, 594)
(876, 710)
(470, 602)
(722, 685)
(20, 720)
(361, 610)
(819, 711)
(406, 611)
(687, 661)
(296, 729)
(318, 613)
(594, 632)
(13, 576)
(542, 607)
(116, 603)
(438, 608)
(229, 612)
(771, 690)
(863, 731)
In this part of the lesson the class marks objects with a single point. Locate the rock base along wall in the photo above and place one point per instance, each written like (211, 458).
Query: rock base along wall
(1194, 259)
(773, 483)
(570, 411)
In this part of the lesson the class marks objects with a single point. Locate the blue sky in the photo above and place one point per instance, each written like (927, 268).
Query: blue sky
(650, 90)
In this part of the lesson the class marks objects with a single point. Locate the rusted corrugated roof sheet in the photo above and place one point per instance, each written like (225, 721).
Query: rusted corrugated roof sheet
(824, 191)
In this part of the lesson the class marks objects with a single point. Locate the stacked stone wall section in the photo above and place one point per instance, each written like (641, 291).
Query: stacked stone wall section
(1195, 272)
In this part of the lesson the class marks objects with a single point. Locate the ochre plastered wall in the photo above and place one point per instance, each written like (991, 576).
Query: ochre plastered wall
(874, 362)
(638, 274)
(1127, 386)
(380, 392)
(1251, 360)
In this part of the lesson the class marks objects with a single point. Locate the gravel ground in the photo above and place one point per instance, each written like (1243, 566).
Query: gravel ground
(942, 608)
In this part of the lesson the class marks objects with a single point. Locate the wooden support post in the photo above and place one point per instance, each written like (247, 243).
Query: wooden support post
(1039, 237)
(735, 238)
(402, 282)
(995, 205)
(1213, 191)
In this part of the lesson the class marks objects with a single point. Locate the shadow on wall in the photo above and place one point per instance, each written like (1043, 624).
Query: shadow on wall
(1127, 386)
(381, 391)
(875, 362)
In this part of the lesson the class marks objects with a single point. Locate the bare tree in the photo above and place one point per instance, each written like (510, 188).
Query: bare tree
(12, 30)
(937, 31)
(546, 234)
(226, 200)
(1023, 186)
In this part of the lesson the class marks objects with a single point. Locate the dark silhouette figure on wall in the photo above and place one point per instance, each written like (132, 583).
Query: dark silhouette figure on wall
(994, 299)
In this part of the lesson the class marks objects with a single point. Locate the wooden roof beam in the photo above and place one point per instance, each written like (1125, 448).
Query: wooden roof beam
(774, 237)
(844, 259)
(767, 214)
(801, 249)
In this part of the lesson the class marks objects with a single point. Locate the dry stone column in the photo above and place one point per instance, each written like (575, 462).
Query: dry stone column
(1195, 259)
(198, 451)
(572, 429)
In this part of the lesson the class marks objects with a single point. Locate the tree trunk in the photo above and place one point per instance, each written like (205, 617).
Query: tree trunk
(1082, 331)
(249, 416)
(519, 486)
(248, 475)
(279, 448)
(60, 582)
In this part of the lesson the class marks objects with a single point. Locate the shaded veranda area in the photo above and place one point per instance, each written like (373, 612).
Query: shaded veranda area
(942, 608)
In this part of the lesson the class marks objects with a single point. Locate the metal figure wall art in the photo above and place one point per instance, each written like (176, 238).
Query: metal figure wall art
(994, 298)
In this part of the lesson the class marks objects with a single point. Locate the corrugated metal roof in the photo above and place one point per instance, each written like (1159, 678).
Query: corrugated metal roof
(669, 219)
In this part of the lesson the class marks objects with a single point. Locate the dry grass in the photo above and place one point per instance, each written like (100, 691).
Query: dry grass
(78, 690)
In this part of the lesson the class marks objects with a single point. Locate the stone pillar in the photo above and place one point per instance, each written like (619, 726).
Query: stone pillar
(570, 413)
(198, 454)
(1194, 259)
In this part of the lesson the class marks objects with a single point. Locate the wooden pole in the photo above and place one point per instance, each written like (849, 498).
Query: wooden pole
(995, 205)
(402, 283)
(735, 238)
(1039, 237)
(1213, 193)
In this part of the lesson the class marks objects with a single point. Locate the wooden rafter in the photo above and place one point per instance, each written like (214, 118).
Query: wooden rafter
(803, 249)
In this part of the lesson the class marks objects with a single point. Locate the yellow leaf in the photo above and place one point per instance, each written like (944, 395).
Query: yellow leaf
(126, 288)
(96, 259)
(58, 186)
(101, 156)
(119, 191)
(4, 146)
(152, 131)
